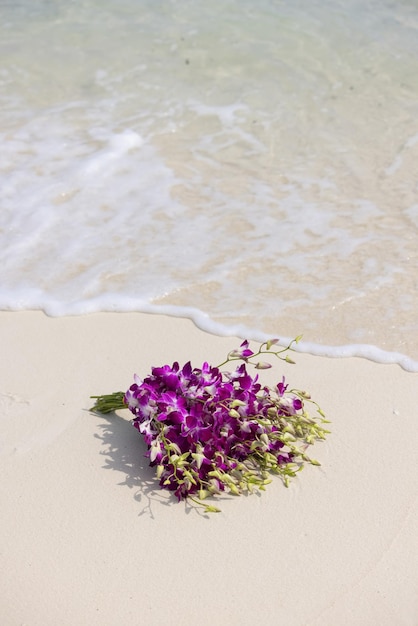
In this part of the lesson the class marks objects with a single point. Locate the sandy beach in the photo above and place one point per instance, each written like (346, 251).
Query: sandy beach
(89, 538)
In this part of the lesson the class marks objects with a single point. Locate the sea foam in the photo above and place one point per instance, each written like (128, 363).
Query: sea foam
(255, 173)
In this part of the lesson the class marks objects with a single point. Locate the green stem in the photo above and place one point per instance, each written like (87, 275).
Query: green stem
(250, 359)
(109, 402)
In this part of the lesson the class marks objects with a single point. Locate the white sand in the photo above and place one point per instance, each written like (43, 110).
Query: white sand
(87, 536)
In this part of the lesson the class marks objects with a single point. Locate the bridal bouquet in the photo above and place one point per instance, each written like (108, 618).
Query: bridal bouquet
(209, 431)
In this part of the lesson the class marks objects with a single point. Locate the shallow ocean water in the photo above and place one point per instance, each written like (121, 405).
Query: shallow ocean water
(247, 166)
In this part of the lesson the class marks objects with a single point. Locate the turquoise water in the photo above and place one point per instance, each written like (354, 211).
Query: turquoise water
(246, 165)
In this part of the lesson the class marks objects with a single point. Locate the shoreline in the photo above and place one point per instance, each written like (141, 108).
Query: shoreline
(89, 538)
(211, 326)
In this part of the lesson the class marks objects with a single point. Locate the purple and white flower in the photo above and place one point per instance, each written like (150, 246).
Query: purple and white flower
(208, 431)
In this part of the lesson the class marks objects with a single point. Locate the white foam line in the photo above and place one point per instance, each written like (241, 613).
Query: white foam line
(109, 303)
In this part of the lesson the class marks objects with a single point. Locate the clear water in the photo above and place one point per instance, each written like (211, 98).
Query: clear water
(246, 164)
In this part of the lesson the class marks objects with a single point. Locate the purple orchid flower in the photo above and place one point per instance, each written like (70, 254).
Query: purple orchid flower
(209, 431)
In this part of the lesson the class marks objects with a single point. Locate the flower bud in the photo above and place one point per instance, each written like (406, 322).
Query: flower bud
(271, 342)
(212, 509)
(203, 493)
(263, 365)
(199, 458)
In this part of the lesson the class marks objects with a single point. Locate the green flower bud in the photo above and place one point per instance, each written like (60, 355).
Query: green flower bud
(271, 342)
(211, 509)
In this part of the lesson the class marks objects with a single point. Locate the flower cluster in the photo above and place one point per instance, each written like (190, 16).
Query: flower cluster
(210, 431)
